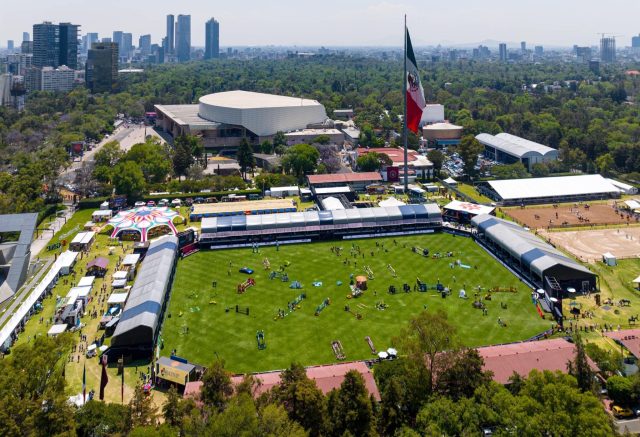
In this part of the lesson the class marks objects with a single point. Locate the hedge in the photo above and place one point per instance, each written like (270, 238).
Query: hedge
(96, 201)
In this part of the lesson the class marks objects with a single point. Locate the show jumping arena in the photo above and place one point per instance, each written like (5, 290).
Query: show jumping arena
(564, 215)
(589, 245)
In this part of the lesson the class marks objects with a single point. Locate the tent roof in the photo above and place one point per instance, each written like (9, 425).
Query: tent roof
(99, 262)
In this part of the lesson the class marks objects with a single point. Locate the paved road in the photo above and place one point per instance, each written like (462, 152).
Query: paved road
(632, 426)
(10, 306)
(44, 237)
(126, 136)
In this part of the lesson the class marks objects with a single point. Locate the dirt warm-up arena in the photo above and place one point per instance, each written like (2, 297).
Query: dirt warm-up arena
(589, 245)
(558, 216)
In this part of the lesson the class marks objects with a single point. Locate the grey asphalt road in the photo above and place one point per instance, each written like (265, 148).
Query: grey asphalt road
(632, 426)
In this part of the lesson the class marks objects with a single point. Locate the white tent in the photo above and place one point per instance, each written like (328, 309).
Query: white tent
(57, 329)
(609, 259)
(637, 282)
(450, 181)
(391, 201)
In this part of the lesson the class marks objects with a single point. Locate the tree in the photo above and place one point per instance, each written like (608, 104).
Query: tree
(373, 161)
(321, 139)
(437, 158)
(540, 169)
(428, 334)
(350, 408)
(301, 399)
(462, 375)
(245, 157)
(109, 154)
(605, 164)
(238, 419)
(300, 160)
(620, 390)
(182, 159)
(153, 160)
(510, 171)
(266, 147)
(608, 361)
(391, 416)
(274, 422)
(97, 419)
(216, 385)
(128, 179)
(469, 149)
(142, 412)
(279, 139)
(579, 367)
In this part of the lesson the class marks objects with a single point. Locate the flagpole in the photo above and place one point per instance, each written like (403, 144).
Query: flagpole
(404, 117)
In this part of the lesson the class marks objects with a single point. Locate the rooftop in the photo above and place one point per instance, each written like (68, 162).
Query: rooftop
(552, 187)
(249, 205)
(251, 100)
(524, 357)
(630, 339)
(344, 177)
(187, 115)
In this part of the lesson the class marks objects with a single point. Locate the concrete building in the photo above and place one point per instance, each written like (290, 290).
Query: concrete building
(442, 134)
(307, 136)
(183, 38)
(223, 119)
(608, 49)
(26, 36)
(57, 79)
(127, 46)
(508, 149)
(212, 39)
(101, 71)
(6, 81)
(10, 46)
(170, 38)
(18, 63)
(502, 48)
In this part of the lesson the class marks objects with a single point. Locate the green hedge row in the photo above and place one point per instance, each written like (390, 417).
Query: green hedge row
(96, 201)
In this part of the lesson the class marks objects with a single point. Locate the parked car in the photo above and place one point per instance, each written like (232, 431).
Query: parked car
(621, 412)
(151, 203)
(176, 202)
(198, 200)
(139, 203)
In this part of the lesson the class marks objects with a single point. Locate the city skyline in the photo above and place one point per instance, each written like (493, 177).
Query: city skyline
(358, 23)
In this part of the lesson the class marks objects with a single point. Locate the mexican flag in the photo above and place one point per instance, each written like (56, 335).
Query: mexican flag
(415, 93)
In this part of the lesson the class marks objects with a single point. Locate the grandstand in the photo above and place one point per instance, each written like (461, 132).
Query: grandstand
(137, 330)
(508, 149)
(318, 225)
(549, 190)
(537, 261)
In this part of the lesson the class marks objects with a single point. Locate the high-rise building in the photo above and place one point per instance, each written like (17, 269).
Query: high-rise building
(101, 70)
(170, 41)
(46, 44)
(502, 48)
(117, 38)
(183, 38)
(523, 47)
(10, 45)
(538, 50)
(607, 49)
(583, 54)
(25, 36)
(105, 40)
(144, 44)
(127, 45)
(68, 45)
(635, 42)
(212, 39)
(26, 47)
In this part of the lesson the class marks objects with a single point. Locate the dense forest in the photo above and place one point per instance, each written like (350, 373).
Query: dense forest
(592, 120)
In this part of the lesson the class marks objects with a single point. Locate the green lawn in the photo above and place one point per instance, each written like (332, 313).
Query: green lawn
(470, 191)
(199, 328)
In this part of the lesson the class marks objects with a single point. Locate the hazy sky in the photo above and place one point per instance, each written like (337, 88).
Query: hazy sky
(341, 22)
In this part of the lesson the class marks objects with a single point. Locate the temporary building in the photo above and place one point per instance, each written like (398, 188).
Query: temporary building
(66, 261)
(57, 329)
(451, 181)
(86, 281)
(139, 324)
(609, 259)
(98, 266)
(101, 215)
(82, 241)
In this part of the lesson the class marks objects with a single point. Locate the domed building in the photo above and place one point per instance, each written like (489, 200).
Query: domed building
(223, 119)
